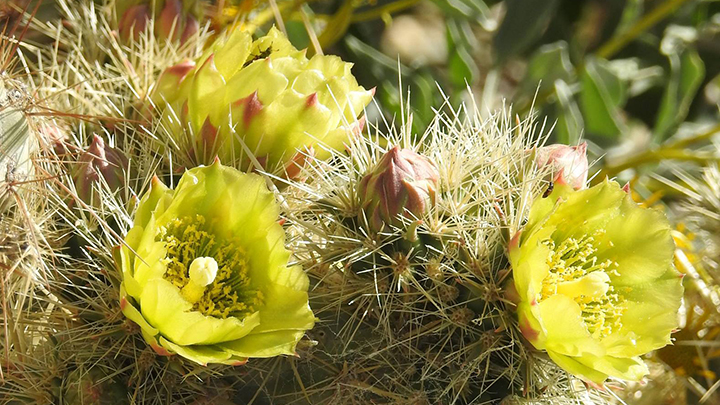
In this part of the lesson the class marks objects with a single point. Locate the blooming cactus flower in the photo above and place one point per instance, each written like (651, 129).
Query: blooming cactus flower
(97, 162)
(264, 94)
(402, 183)
(205, 271)
(568, 164)
(175, 19)
(595, 281)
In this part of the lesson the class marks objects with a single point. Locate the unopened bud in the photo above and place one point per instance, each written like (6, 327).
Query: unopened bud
(99, 161)
(568, 164)
(402, 183)
(134, 21)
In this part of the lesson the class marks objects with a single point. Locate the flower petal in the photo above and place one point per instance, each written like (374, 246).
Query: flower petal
(575, 367)
(285, 309)
(200, 354)
(164, 307)
(529, 264)
(639, 240)
(128, 309)
(628, 368)
(267, 344)
(650, 317)
(566, 331)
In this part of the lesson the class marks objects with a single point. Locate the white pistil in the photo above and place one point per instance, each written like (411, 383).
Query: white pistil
(202, 273)
(593, 285)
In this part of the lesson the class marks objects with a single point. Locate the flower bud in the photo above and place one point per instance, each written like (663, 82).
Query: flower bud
(568, 164)
(402, 183)
(174, 19)
(260, 96)
(134, 21)
(170, 21)
(99, 161)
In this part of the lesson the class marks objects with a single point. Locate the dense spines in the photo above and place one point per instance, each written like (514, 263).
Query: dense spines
(413, 314)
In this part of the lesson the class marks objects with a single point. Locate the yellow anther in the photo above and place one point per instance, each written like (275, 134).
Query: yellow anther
(211, 274)
(575, 271)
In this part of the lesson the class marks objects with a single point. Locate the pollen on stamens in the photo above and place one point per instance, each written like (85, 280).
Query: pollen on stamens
(571, 260)
(230, 293)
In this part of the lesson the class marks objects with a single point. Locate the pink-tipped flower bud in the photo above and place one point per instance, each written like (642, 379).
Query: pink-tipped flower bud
(134, 21)
(96, 162)
(568, 164)
(403, 183)
(170, 23)
(192, 26)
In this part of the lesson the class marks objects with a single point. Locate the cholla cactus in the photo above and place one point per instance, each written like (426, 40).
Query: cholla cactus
(205, 271)
(596, 283)
(416, 310)
(262, 98)
(174, 19)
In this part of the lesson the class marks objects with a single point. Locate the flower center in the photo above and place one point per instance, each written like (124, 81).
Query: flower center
(211, 274)
(576, 272)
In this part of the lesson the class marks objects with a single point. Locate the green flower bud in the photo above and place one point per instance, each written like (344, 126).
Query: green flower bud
(403, 183)
(205, 270)
(263, 97)
(595, 282)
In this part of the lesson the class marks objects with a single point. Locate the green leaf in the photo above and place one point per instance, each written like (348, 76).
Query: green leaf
(338, 25)
(569, 124)
(377, 62)
(602, 95)
(470, 9)
(524, 23)
(550, 63)
(297, 34)
(687, 72)
(461, 66)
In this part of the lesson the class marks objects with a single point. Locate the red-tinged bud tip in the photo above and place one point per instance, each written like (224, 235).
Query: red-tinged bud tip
(626, 188)
(161, 351)
(181, 69)
(311, 100)
(293, 169)
(515, 241)
(251, 108)
(96, 162)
